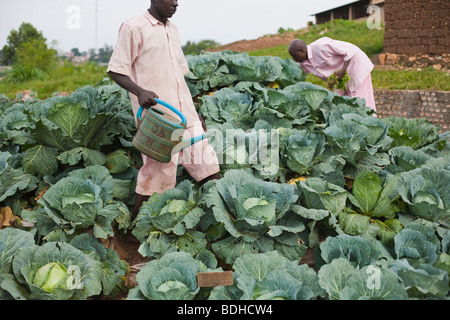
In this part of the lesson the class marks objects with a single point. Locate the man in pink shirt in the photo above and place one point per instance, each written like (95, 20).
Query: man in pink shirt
(148, 61)
(326, 56)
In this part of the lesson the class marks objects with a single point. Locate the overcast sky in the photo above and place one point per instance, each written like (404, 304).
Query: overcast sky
(72, 23)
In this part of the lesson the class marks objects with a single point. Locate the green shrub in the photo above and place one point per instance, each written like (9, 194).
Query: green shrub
(23, 73)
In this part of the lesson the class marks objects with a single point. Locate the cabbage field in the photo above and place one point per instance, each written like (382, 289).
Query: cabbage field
(305, 173)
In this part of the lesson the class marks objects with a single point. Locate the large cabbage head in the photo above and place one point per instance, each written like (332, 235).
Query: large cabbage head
(426, 192)
(249, 206)
(172, 277)
(74, 199)
(270, 276)
(174, 211)
(168, 222)
(51, 276)
(302, 148)
(55, 271)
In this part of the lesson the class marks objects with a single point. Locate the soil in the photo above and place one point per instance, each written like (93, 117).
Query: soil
(260, 43)
(127, 248)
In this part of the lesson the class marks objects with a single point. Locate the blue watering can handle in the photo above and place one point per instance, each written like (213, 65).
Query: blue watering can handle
(165, 104)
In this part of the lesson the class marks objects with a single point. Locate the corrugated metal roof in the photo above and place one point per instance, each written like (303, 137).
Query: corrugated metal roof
(342, 5)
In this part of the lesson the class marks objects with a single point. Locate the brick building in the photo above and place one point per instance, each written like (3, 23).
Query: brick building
(353, 10)
(417, 27)
(416, 35)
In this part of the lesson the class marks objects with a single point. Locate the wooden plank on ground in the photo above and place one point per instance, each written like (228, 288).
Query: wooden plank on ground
(215, 279)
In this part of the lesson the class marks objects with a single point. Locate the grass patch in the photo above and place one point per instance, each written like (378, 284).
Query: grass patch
(278, 51)
(66, 78)
(426, 79)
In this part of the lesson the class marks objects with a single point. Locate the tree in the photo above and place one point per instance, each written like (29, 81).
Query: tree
(16, 38)
(76, 52)
(196, 48)
(35, 54)
(103, 55)
(27, 51)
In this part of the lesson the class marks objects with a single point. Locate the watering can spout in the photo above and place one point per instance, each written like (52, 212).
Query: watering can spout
(187, 143)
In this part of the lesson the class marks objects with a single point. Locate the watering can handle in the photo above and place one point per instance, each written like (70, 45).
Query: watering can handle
(170, 107)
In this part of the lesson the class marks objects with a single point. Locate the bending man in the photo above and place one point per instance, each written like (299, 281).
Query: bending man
(326, 56)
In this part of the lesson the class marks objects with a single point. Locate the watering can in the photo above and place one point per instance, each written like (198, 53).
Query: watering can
(154, 136)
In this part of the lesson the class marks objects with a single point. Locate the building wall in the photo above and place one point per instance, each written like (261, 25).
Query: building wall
(417, 26)
(431, 105)
(353, 11)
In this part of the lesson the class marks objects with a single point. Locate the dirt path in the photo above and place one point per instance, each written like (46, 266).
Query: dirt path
(260, 43)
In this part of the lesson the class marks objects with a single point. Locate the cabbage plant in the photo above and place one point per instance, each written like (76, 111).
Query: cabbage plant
(113, 269)
(375, 203)
(417, 244)
(357, 250)
(302, 149)
(53, 271)
(11, 240)
(343, 281)
(171, 277)
(83, 199)
(356, 137)
(426, 192)
(424, 281)
(404, 158)
(414, 133)
(257, 216)
(270, 276)
(13, 181)
(66, 129)
(418, 249)
(167, 222)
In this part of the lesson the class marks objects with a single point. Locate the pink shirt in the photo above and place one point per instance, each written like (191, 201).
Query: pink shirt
(326, 56)
(150, 53)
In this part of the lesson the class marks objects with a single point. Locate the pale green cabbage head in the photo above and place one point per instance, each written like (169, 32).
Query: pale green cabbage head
(55, 271)
(50, 276)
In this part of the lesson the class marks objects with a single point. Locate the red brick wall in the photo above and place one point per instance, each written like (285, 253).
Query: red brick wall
(431, 105)
(417, 26)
